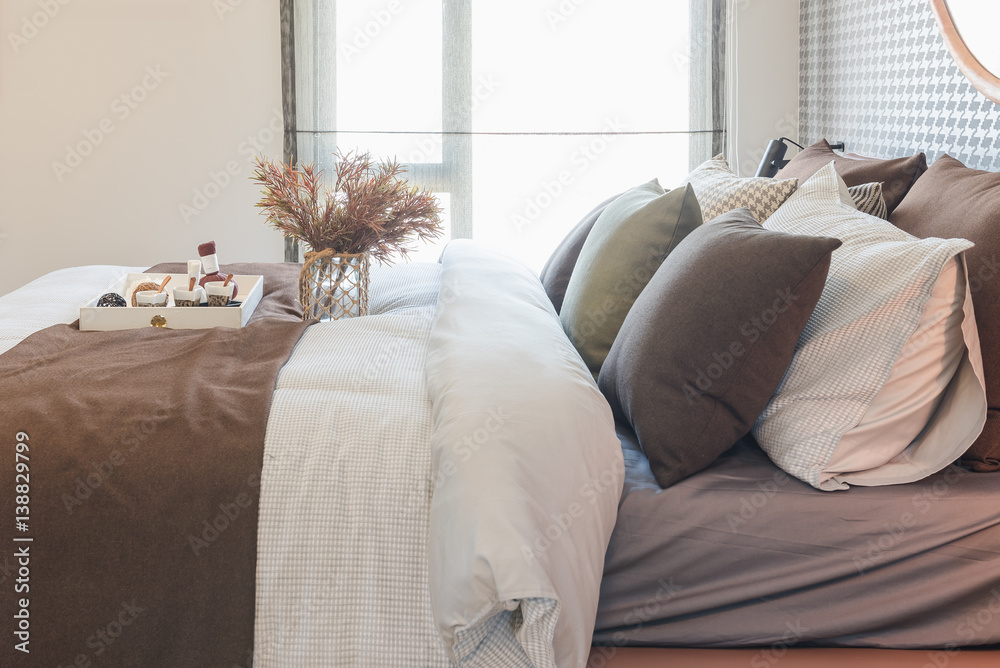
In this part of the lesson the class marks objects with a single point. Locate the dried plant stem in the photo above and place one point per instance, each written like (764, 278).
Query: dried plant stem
(368, 209)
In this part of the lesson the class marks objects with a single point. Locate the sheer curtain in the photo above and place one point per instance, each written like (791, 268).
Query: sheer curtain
(521, 115)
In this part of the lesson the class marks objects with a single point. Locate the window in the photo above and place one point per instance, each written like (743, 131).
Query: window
(521, 115)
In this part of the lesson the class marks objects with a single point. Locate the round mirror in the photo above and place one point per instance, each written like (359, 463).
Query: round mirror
(969, 31)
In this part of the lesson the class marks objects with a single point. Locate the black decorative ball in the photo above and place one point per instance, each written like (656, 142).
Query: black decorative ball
(112, 299)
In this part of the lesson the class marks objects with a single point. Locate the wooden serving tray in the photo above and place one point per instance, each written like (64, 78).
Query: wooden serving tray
(105, 319)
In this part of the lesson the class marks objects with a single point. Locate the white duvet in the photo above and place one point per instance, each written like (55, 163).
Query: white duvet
(440, 478)
(528, 471)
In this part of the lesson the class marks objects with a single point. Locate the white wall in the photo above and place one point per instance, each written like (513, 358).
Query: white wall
(767, 94)
(112, 115)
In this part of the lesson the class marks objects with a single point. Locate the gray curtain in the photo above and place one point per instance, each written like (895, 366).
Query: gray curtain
(708, 63)
(308, 79)
(290, 145)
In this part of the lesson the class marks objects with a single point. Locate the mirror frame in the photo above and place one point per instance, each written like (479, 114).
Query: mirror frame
(985, 81)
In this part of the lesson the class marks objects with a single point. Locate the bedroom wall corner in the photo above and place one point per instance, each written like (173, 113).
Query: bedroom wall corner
(127, 130)
(766, 91)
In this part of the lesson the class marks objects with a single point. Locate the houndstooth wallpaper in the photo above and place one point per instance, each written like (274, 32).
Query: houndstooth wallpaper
(877, 75)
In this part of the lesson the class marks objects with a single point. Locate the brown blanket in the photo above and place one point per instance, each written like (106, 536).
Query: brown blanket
(144, 450)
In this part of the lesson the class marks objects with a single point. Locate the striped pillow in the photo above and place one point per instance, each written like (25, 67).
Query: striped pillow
(868, 199)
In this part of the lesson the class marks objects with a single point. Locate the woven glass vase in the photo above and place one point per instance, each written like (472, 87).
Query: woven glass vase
(334, 286)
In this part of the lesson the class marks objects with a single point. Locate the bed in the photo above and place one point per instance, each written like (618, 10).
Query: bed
(439, 482)
(291, 521)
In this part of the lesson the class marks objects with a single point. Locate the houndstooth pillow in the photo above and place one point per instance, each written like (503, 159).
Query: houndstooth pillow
(720, 191)
(868, 199)
(865, 325)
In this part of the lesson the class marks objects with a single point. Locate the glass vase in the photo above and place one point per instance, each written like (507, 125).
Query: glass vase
(334, 286)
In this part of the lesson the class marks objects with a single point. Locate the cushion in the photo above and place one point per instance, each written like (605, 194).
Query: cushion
(706, 343)
(559, 267)
(622, 252)
(912, 391)
(877, 297)
(896, 175)
(719, 190)
(951, 200)
(868, 199)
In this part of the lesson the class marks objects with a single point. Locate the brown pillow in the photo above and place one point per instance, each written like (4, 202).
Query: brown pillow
(559, 267)
(710, 337)
(949, 201)
(896, 175)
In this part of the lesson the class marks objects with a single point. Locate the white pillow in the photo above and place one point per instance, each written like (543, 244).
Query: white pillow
(886, 385)
(720, 191)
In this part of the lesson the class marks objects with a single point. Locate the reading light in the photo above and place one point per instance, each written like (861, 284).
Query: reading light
(773, 159)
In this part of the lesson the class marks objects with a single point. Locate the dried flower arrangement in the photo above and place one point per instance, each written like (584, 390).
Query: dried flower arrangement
(369, 208)
(369, 212)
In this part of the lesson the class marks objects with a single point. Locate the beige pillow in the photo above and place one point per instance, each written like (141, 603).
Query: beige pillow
(915, 386)
(883, 286)
(720, 191)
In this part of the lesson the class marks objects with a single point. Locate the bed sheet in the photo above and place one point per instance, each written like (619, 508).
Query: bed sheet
(743, 554)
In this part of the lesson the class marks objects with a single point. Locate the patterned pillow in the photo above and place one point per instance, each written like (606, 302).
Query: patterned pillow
(720, 191)
(866, 330)
(868, 199)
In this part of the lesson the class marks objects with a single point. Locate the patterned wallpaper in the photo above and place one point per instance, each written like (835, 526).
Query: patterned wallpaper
(877, 75)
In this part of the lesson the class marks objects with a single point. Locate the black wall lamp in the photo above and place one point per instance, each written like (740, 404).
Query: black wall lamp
(773, 159)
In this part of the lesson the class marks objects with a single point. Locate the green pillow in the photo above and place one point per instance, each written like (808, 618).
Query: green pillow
(624, 249)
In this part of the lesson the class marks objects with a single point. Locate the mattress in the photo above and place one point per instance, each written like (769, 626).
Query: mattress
(742, 554)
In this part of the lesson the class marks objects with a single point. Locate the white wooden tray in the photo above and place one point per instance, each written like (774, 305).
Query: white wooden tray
(103, 319)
